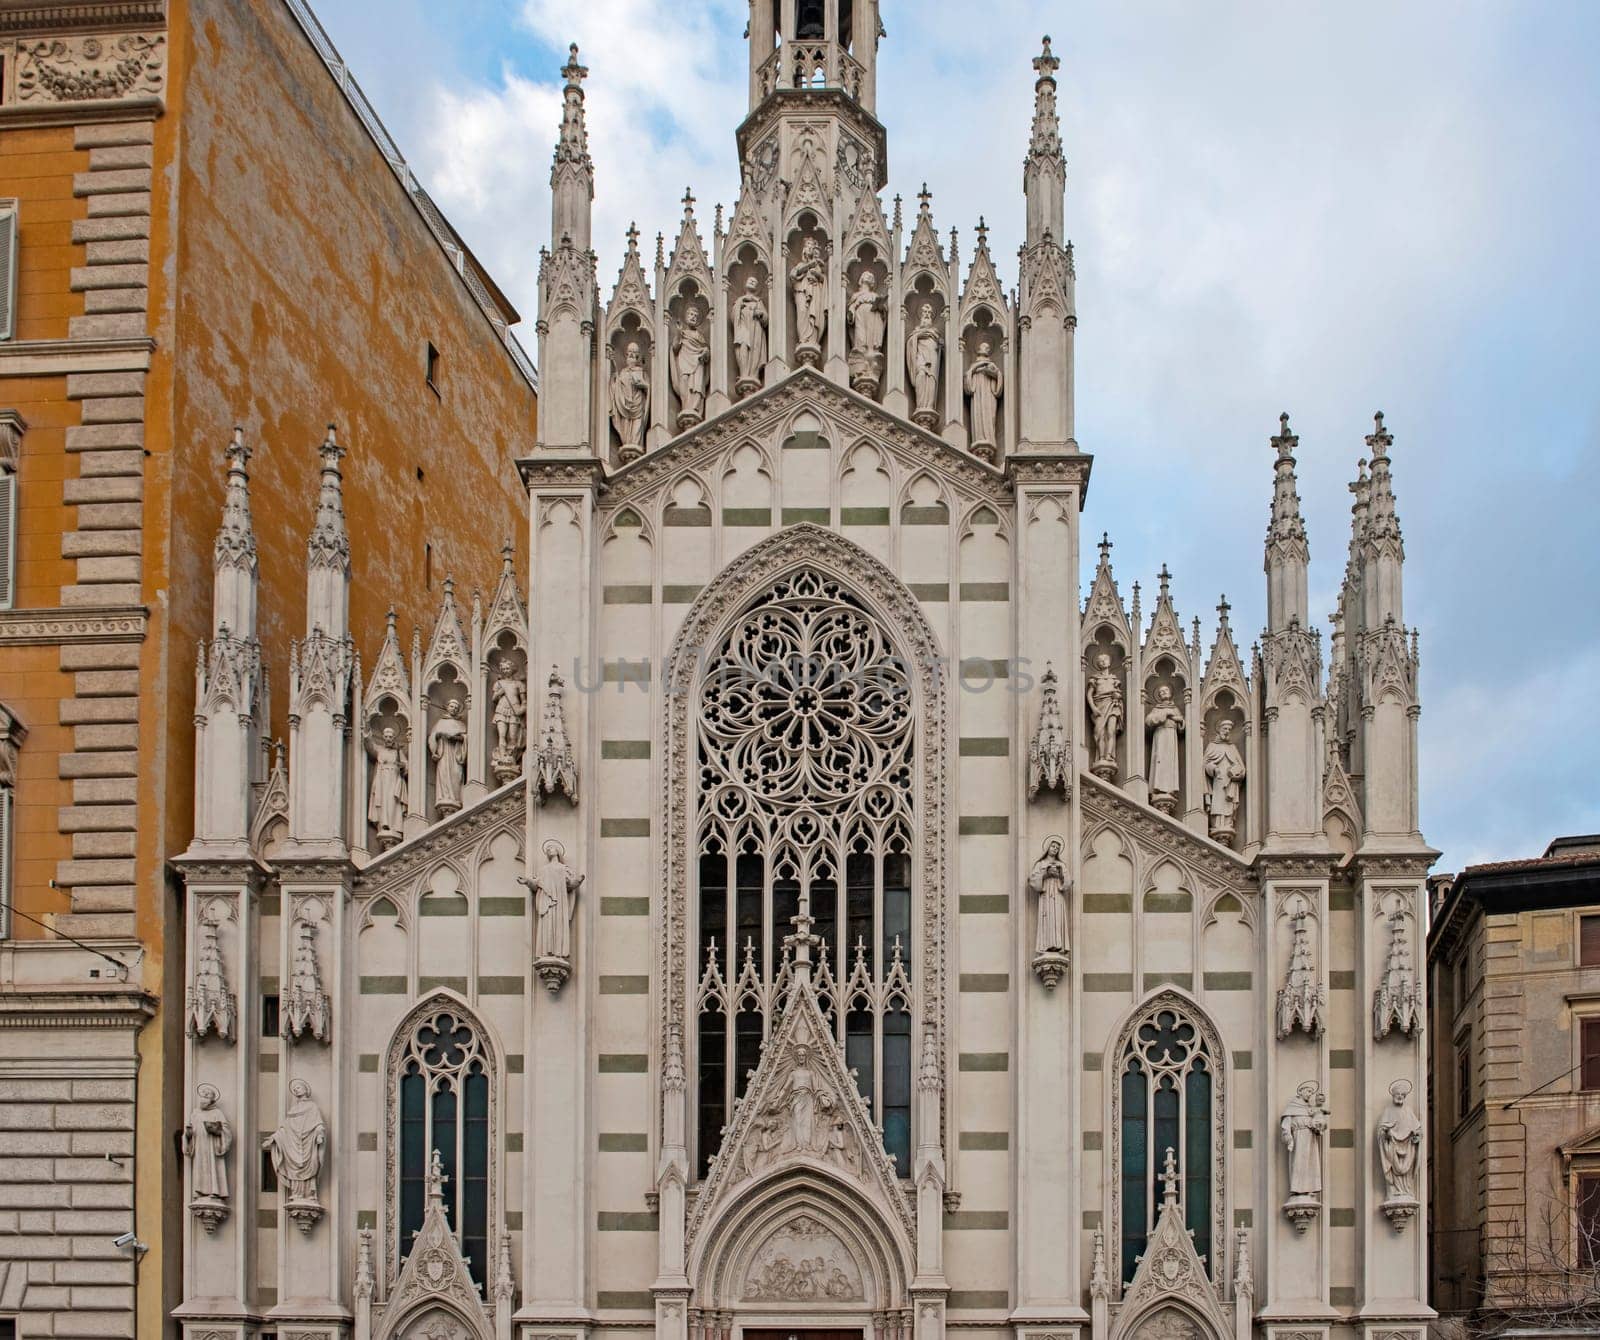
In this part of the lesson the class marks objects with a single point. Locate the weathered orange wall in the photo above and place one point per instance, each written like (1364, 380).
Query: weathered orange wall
(36, 167)
(310, 287)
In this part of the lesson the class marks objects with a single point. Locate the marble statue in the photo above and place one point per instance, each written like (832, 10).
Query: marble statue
(1304, 1122)
(555, 893)
(386, 806)
(690, 356)
(510, 719)
(1165, 723)
(1224, 769)
(749, 337)
(809, 281)
(1048, 882)
(630, 401)
(297, 1151)
(984, 383)
(864, 315)
(1104, 692)
(207, 1138)
(1399, 1143)
(924, 353)
(447, 742)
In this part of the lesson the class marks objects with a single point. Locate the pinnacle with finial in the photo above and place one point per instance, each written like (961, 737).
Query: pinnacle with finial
(983, 233)
(1222, 610)
(1165, 578)
(1169, 1178)
(573, 70)
(436, 1178)
(924, 200)
(688, 200)
(1046, 62)
(1105, 547)
(633, 237)
(237, 452)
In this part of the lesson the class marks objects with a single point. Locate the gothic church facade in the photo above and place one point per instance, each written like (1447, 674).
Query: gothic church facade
(795, 910)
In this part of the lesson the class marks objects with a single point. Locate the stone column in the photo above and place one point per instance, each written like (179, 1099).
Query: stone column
(1047, 1048)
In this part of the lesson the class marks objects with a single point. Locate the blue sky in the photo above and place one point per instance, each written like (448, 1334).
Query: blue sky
(1324, 209)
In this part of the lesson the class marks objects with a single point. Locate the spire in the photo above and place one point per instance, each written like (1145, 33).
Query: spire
(572, 173)
(1384, 526)
(1288, 555)
(328, 550)
(329, 546)
(1382, 552)
(1044, 171)
(236, 540)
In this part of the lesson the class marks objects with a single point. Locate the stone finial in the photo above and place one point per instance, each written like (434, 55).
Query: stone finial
(1165, 578)
(210, 1006)
(329, 545)
(436, 1179)
(1044, 145)
(925, 201)
(1286, 530)
(1049, 754)
(1046, 62)
(573, 71)
(1099, 1276)
(554, 763)
(928, 1077)
(1169, 1179)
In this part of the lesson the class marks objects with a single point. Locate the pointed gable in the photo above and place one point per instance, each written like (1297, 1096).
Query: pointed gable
(1224, 669)
(802, 1109)
(1104, 608)
(1170, 1273)
(435, 1274)
(1165, 635)
(924, 251)
(983, 284)
(507, 613)
(688, 253)
(632, 291)
(868, 226)
(448, 645)
(389, 677)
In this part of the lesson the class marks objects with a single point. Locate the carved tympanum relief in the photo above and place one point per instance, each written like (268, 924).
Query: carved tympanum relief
(803, 1261)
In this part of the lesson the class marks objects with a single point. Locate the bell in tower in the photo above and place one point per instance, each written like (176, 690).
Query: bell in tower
(814, 44)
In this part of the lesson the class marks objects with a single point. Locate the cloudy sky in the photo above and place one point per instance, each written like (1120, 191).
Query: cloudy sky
(1328, 209)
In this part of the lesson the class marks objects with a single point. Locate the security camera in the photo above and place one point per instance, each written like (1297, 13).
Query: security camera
(129, 1242)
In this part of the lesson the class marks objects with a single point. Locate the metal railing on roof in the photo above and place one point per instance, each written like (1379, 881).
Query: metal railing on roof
(367, 114)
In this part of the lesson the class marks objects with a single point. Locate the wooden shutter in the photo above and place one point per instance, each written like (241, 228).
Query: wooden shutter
(1589, 942)
(8, 268)
(1588, 1221)
(8, 538)
(6, 800)
(1589, 1052)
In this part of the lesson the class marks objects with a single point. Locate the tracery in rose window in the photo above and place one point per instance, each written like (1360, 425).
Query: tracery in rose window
(805, 752)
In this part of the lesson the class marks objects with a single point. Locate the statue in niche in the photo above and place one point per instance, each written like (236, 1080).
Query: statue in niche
(984, 383)
(924, 353)
(1104, 692)
(447, 742)
(510, 718)
(555, 895)
(1224, 769)
(749, 338)
(809, 281)
(1399, 1143)
(865, 318)
(1047, 881)
(386, 804)
(630, 400)
(1304, 1122)
(690, 355)
(207, 1138)
(1165, 723)
(297, 1150)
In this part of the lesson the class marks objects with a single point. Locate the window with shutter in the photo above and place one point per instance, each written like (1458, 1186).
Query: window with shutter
(8, 538)
(1589, 942)
(8, 268)
(1588, 1221)
(1589, 1053)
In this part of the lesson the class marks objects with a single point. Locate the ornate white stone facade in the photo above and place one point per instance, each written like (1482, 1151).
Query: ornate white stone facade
(921, 949)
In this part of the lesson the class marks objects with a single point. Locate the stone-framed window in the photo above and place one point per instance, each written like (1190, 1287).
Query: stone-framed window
(805, 806)
(1169, 1093)
(11, 430)
(442, 1093)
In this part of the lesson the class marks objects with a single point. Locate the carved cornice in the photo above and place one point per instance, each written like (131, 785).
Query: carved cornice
(462, 828)
(1104, 801)
(120, 1005)
(31, 115)
(1297, 865)
(200, 868)
(92, 68)
(561, 470)
(756, 417)
(45, 627)
(81, 16)
(1065, 467)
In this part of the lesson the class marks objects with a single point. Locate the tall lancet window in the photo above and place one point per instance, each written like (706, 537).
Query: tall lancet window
(441, 1070)
(805, 753)
(1168, 1096)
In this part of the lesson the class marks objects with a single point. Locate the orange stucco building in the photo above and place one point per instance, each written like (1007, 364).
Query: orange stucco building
(202, 224)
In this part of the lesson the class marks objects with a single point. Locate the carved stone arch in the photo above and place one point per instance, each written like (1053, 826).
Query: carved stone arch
(906, 495)
(745, 579)
(1186, 883)
(974, 517)
(400, 905)
(515, 829)
(1189, 1008)
(421, 1322)
(630, 517)
(792, 426)
(422, 885)
(739, 1262)
(1167, 1317)
(1246, 906)
(494, 1052)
